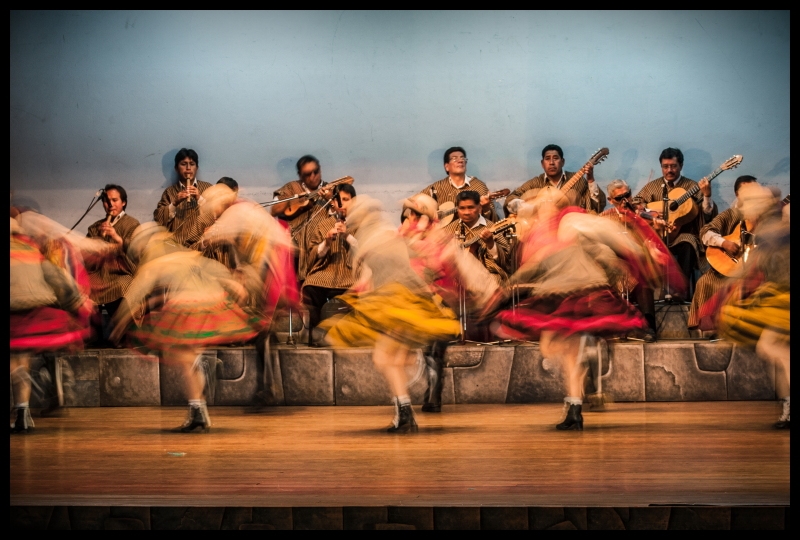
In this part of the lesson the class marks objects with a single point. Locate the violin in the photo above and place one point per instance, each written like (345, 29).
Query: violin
(304, 202)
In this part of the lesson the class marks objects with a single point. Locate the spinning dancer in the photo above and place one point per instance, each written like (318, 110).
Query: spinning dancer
(199, 307)
(761, 319)
(49, 312)
(569, 258)
(394, 310)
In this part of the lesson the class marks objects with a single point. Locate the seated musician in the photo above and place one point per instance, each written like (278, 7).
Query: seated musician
(619, 193)
(179, 207)
(110, 276)
(302, 215)
(457, 181)
(329, 258)
(585, 193)
(713, 234)
(492, 250)
(684, 241)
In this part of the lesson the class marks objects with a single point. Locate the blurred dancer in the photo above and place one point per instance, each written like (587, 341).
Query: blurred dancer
(569, 258)
(445, 267)
(394, 310)
(762, 319)
(49, 312)
(193, 302)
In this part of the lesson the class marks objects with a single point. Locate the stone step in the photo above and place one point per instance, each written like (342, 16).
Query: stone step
(668, 370)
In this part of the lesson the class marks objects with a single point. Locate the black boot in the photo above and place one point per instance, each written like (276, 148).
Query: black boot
(23, 422)
(433, 394)
(404, 421)
(197, 417)
(574, 419)
(783, 421)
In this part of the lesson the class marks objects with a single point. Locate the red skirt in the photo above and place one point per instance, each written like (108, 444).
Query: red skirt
(596, 311)
(194, 325)
(47, 329)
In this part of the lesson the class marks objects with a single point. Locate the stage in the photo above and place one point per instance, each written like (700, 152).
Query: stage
(468, 459)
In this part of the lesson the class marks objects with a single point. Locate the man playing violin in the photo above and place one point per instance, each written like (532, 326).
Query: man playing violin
(111, 275)
(713, 235)
(457, 181)
(684, 241)
(329, 257)
(304, 214)
(585, 193)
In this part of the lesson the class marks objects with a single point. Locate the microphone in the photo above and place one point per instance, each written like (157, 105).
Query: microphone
(98, 192)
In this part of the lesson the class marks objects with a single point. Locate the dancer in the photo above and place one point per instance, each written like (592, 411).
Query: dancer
(569, 258)
(393, 309)
(761, 320)
(194, 302)
(49, 312)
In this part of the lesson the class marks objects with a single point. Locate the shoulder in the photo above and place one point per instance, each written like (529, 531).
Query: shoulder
(129, 221)
(202, 186)
(289, 187)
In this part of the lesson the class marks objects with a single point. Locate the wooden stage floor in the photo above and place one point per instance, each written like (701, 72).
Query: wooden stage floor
(631, 455)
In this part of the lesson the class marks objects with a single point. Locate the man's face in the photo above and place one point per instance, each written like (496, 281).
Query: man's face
(113, 202)
(469, 212)
(671, 169)
(552, 163)
(311, 175)
(619, 196)
(346, 200)
(457, 163)
(187, 169)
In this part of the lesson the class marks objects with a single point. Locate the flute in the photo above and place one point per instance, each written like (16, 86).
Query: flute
(108, 221)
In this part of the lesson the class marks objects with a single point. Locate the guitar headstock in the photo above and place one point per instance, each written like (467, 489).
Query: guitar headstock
(731, 163)
(599, 156)
(497, 194)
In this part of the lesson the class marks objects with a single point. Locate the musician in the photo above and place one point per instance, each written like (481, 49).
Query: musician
(619, 193)
(493, 250)
(713, 234)
(585, 193)
(180, 203)
(457, 181)
(330, 271)
(303, 215)
(110, 276)
(684, 241)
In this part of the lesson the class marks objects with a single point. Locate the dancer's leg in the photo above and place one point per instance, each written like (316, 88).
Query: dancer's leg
(21, 381)
(773, 348)
(391, 357)
(187, 359)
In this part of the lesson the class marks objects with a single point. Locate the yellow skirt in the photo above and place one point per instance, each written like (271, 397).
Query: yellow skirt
(392, 310)
(743, 321)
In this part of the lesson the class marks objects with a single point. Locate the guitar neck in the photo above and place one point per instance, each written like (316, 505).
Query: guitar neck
(785, 201)
(692, 191)
(575, 177)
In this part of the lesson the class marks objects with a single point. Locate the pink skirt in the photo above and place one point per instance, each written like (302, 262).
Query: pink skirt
(47, 329)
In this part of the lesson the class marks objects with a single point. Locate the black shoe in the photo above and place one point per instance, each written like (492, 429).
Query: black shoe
(783, 421)
(23, 422)
(782, 424)
(649, 335)
(404, 421)
(197, 418)
(574, 419)
(433, 394)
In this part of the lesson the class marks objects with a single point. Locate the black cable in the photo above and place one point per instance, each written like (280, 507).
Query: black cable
(96, 199)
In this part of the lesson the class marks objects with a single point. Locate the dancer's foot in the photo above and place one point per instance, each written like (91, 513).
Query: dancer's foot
(23, 422)
(573, 419)
(404, 421)
(783, 421)
(196, 418)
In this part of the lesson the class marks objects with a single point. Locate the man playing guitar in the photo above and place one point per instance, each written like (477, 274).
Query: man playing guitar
(684, 242)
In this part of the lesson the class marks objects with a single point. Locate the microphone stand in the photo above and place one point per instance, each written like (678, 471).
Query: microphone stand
(96, 199)
(462, 294)
(665, 234)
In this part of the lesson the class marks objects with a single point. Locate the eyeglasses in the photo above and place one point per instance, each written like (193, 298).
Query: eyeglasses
(620, 198)
(309, 174)
(671, 167)
(456, 159)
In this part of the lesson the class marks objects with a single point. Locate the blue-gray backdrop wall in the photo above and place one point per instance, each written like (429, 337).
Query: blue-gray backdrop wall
(99, 97)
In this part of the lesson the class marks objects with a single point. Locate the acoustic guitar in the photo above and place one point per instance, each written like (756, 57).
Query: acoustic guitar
(497, 228)
(682, 208)
(305, 201)
(448, 209)
(560, 195)
(725, 264)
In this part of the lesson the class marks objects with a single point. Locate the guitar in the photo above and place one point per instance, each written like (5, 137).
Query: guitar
(559, 195)
(496, 229)
(724, 263)
(303, 202)
(682, 208)
(448, 209)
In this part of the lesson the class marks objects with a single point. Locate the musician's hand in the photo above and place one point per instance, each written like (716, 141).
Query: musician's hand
(339, 228)
(485, 201)
(488, 238)
(731, 248)
(590, 173)
(183, 195)
(108, 231)
(705, 187)
(326, 192)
